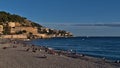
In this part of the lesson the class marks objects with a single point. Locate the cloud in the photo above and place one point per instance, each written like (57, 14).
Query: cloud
(79, 24)
(109, 25)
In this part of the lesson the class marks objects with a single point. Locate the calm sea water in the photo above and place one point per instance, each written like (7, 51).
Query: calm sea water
(108, 47)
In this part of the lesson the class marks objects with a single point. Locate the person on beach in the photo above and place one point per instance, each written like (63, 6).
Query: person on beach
(4, 47)
(46, 49)
(59, 53)
(32, 46)
(27, 49)
(39, 49)
(24, 45)
(33, 50)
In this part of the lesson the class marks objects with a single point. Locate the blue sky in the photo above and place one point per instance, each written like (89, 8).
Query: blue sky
(65, 11)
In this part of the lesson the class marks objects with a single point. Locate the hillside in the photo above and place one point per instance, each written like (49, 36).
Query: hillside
(7, 17)
(12, 24)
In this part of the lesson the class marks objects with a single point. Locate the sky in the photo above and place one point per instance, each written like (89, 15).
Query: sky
(57, 12)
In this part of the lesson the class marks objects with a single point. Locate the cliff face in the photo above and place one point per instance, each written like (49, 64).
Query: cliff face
(11, 24)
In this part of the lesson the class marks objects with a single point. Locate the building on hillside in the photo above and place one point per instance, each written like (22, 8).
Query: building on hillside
(1, 29)
(11, 24)
(17, 24)
(14, 24)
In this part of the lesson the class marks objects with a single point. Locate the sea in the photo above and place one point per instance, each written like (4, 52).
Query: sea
(108, 47)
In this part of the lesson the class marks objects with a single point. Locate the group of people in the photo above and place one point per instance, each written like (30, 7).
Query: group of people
(48, 50)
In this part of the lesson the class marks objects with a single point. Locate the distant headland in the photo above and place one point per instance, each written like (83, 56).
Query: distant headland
(18, 27)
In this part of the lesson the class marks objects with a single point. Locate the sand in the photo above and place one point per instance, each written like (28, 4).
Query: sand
(16, 56)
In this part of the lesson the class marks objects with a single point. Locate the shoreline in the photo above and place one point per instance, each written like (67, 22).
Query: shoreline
(80, 55)
(48, 53)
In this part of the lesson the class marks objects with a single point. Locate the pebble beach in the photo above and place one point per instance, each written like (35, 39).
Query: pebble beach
(16, 54)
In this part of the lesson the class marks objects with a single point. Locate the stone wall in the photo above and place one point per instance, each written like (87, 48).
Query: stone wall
(42, 36)
(33, 30)
(14, 36)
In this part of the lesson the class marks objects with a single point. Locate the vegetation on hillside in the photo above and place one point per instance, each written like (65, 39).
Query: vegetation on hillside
(6, 17)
